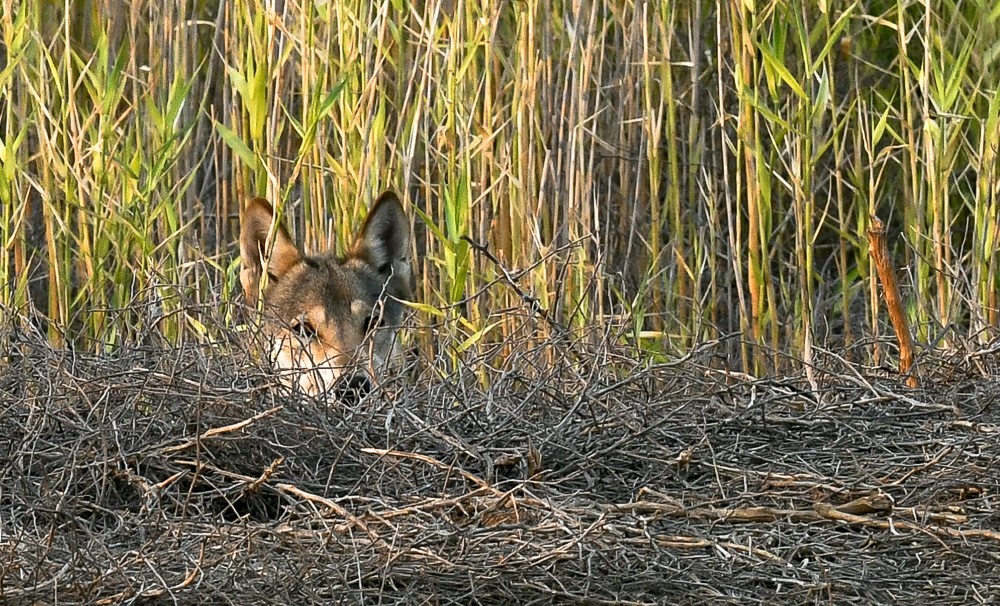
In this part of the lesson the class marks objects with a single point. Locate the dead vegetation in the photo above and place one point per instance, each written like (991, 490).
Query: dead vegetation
(184, 476)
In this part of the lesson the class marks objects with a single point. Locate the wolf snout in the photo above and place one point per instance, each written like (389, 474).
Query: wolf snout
(351, 390)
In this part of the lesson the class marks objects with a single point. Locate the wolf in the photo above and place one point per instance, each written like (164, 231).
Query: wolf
(330, 323)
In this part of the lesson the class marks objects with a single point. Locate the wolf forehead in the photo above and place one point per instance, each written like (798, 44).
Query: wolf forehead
(339, 285)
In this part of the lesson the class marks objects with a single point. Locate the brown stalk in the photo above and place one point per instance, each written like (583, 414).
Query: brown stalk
(879, 252)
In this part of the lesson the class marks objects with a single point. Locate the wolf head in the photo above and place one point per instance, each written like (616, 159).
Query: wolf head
(331, 322)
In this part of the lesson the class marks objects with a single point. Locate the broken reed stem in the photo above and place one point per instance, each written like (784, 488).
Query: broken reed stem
(879, 252)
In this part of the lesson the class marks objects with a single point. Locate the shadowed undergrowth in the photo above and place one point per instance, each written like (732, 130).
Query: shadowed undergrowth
(183, 475)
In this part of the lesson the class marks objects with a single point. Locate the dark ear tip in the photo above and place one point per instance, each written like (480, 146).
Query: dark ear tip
(388, 197)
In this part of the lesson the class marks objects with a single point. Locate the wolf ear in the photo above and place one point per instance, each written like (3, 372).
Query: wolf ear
(254, 224)
(384, 242)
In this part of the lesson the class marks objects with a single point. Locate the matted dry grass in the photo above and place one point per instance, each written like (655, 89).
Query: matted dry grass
(185, 476)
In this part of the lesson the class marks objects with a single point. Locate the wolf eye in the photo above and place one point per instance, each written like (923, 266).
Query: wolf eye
(372, 322)
(303, 329)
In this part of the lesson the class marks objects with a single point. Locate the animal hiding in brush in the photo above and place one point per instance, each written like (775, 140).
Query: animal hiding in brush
(330, 322)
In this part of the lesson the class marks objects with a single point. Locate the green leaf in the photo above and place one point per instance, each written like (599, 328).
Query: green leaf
(257, 104)
(834, 35)
(427, 309)
(775, 64)
(236, 144)
(880, 127)
(474, 338)
(239, 83)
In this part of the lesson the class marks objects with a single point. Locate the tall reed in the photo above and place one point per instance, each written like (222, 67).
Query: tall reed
(675, 171)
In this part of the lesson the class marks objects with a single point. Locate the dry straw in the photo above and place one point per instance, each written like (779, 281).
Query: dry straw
(185, 475)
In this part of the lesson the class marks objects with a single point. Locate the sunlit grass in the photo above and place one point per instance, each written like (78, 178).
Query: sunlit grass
(687, 169)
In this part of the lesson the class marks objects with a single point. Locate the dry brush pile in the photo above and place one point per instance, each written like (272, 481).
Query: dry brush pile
(183, 475)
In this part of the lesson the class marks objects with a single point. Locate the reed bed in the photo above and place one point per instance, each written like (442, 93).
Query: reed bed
(692, 168)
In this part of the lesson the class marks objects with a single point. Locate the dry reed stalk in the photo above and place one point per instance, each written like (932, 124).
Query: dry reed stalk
(879, 252)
